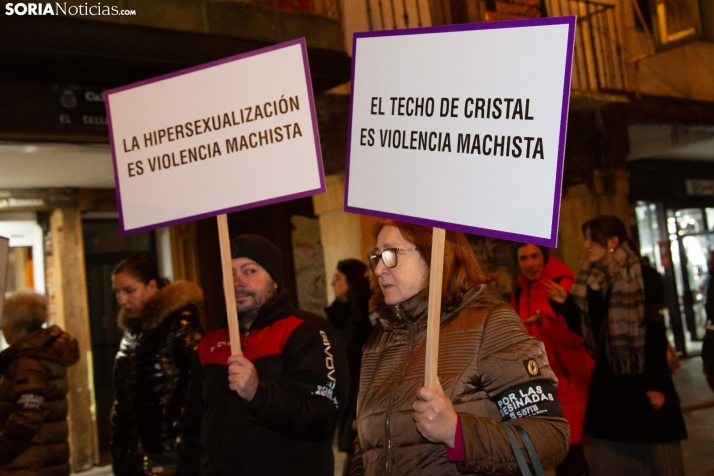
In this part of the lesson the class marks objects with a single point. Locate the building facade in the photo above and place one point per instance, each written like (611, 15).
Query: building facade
(640, 146)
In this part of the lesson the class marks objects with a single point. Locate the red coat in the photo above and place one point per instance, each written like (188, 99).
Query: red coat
(566, 354)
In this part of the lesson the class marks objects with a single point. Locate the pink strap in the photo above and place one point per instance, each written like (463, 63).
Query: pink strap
(458, 452)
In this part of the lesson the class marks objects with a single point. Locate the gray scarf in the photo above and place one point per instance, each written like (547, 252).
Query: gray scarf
(621, 273)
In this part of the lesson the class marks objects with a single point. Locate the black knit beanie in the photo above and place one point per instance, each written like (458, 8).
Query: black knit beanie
(260, 250)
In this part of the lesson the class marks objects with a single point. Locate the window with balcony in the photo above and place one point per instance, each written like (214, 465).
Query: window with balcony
(674, 21)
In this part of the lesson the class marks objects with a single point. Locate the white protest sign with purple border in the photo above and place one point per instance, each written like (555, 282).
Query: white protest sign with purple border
(225, 136)
(462, 126)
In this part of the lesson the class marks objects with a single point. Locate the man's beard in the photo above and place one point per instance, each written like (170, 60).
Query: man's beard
(248, 314)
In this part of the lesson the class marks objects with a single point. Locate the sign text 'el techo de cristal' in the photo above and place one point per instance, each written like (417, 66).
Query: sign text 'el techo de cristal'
(462, 126)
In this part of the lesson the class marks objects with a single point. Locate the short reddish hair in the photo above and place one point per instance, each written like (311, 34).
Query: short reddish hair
(461, 269)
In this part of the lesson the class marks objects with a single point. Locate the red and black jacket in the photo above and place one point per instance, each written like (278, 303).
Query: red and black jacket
(287, 427)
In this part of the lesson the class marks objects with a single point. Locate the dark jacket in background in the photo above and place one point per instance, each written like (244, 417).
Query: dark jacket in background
(151, 375)
(708, 343)
(287, 428)
(33, 404)
(618, 407)
(354, 327)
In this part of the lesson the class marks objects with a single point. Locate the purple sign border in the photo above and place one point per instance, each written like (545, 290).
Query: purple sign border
(246, 206)
(565, 20)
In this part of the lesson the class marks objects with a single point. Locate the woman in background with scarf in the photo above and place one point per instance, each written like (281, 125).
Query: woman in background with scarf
(633, 412)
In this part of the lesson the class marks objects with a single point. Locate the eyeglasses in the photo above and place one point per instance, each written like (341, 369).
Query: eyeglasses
(388, 257)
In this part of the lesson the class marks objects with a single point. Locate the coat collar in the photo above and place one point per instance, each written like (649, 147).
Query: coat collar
(165, 302)
(278, 305)
(51, 343)
(415, 309)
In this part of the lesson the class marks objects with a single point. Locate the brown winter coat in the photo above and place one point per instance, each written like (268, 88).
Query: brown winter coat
(33, 404)
(485, 356)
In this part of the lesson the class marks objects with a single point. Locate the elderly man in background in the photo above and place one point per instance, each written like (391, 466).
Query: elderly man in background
(33, 389)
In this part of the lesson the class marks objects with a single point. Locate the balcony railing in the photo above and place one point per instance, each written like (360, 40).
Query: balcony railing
(393, 14)
(319, 21)
(325, 8)
(597, 63)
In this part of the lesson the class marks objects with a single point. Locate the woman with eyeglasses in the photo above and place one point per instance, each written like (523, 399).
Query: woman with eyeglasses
(490, 370)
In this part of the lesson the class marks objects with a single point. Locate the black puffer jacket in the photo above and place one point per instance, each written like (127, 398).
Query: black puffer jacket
(151, 375)
(354, 327)
(33, 404)
(708, 343)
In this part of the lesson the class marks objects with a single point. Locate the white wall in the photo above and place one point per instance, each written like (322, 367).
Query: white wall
(23, 230)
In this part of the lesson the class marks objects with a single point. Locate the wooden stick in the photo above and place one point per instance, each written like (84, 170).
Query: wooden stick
(228, 289)
(436, 278)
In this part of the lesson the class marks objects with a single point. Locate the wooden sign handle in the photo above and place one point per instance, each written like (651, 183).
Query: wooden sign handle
(228, 289)
(436, 278)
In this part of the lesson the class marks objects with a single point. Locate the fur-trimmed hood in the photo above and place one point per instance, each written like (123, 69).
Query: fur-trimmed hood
(166, 301)
(51, 343)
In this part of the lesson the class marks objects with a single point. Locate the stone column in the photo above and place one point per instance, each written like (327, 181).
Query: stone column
(340, 232)
(611, 188)
(184, 242)
(579, 204)
(70, 287)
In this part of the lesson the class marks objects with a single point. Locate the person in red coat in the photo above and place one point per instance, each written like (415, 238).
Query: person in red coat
(566, 354)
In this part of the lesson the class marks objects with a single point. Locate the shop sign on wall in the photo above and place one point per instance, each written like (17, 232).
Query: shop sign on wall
(79, 107)
(700, 187)
(23, 203)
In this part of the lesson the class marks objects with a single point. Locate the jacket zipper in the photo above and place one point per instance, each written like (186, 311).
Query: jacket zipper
(387, 423)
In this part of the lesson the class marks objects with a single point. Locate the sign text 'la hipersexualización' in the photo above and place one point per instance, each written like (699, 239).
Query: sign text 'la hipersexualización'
(234, 134)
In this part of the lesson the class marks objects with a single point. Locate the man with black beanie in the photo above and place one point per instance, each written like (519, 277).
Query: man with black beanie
(272, 410)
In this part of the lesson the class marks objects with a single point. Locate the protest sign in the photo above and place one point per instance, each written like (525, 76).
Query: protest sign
(461, 127)
(221, 137)
(226, 136)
